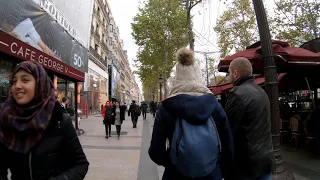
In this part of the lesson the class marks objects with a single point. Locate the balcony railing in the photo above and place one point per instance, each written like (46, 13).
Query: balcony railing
(96, 55)
(97, 36)
(103, 8)
(104, 46)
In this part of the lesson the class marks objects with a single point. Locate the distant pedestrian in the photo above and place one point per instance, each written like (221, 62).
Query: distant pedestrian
(248, 110)
(144, 108)
(119, 116)
(153, 107)
(107, 114)
(196, 126)
(135, 112)
(64, 103)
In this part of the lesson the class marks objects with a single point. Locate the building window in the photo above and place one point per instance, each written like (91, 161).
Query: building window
(96, 47)
(98, 10)
(97, 27)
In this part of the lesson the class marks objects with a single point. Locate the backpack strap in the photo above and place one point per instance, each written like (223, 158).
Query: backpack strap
(180, 137)
(219, 142)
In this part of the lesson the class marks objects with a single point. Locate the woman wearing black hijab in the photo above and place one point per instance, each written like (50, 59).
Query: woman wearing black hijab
(37, 140)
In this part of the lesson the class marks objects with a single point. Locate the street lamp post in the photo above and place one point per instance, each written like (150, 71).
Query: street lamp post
(160, 83)
(271, 82)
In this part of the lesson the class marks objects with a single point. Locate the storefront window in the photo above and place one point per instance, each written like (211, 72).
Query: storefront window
(94, 91)
(65, 88)
(5, 71)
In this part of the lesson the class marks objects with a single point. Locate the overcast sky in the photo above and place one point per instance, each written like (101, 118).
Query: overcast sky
(205, 17)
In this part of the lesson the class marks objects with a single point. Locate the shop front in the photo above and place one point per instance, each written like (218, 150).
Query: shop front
(29, 33)
(64, 77)
(96, 88)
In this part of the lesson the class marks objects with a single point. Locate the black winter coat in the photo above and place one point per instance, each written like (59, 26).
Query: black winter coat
(122, 113)
(248, 111)
(144, 107)
(59, 156)
(132, 110)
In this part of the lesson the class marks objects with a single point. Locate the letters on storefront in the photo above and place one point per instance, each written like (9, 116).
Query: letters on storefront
(14, 47)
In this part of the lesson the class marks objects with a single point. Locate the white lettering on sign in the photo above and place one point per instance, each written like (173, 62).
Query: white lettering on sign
(77, 60)
(55, 13)
(47, 62)
(25, 53)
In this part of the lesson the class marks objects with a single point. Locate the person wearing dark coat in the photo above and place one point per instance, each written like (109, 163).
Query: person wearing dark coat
(153, 108)
(144, 108)
(119, 116)
(37, 139)
(248, 111)
(133, 112)
(107, 118)
(193, 102)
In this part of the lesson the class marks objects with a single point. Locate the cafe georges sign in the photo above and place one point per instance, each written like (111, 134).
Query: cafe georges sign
(14, 47)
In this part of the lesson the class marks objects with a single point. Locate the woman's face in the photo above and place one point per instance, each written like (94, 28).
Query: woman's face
(117, 104)
(108, 103)
(23, 87)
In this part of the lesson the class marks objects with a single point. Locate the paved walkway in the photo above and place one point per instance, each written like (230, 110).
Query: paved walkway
(124, 159)
(128, 159)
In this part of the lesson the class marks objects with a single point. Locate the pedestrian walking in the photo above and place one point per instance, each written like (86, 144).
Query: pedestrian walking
(119, 113)
(248, 110)
(107, 118)
(194, 122)
(153, 107)
(37, 139)
(135, 112)
(144, 108)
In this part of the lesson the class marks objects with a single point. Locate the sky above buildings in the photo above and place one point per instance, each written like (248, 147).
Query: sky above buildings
(205, 16)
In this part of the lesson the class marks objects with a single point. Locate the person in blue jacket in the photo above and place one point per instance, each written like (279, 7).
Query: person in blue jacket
(191, 100)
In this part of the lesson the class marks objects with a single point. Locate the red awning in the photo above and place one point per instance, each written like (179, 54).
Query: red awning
(287, 58)
(225, 87)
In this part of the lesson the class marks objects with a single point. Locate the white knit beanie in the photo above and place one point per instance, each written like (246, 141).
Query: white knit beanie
(186, 69)
(187, 78)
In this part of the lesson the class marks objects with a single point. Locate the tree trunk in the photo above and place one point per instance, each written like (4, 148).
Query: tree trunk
(271, 81)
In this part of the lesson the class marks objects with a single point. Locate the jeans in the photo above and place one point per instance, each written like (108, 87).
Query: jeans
(107, 127)
(134, 120)
(144, 114)
(118, 127)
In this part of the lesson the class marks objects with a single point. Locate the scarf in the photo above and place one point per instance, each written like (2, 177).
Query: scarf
(22, 127)
(190, 88)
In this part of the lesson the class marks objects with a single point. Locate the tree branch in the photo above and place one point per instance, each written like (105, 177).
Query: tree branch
(197, 2)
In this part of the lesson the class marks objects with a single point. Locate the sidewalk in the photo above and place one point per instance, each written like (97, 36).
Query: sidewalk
(124, 159)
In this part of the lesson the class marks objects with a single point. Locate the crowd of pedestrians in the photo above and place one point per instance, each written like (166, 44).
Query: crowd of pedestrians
(193, 137)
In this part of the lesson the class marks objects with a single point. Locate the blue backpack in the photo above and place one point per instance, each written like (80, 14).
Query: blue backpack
(195, 149)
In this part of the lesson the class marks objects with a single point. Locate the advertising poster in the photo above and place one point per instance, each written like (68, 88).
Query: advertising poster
(75, 16)
(27, 21)
(115, 82)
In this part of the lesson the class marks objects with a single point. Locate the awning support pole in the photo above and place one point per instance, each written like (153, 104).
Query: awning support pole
(313, 103)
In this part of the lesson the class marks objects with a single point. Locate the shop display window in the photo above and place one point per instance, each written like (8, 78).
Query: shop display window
(5, 72)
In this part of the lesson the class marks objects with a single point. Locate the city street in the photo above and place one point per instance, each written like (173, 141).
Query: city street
(128, 159)
(124, 159)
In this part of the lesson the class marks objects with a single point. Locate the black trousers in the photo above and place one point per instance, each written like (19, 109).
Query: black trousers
(134, 120)
(118, 127)
(154, 113)
(107, 128)
(144, 114)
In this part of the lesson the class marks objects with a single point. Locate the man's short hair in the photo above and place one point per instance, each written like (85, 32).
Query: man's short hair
(64, 99)
(243, 65)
